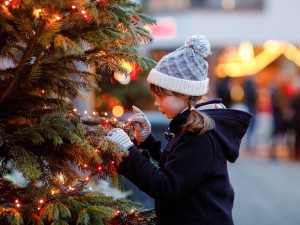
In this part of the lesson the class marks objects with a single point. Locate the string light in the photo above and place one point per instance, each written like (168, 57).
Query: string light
(85, 165)
(99, 168)
(41, 201)
(71, 188)
(87, 178)
(17, 203)
(73, 6)
(75, 110)
(57, 18)
(6, 3)
(83, 11)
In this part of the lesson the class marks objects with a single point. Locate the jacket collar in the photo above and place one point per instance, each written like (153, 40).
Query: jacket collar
(180, 119)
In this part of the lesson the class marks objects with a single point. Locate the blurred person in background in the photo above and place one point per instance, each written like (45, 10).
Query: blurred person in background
(282, 95)
(296, 119)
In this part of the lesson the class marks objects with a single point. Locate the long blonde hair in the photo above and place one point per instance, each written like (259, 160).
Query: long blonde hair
(197, 122)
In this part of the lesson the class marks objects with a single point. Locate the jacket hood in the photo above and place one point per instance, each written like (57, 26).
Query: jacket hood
(230, 125)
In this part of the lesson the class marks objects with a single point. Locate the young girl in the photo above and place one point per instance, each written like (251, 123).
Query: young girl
(191, 185)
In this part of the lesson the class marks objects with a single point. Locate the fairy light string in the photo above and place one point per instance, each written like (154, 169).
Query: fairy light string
(101, 171)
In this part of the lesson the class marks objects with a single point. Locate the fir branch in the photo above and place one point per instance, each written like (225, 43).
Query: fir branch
(25, 57)
(11, 215)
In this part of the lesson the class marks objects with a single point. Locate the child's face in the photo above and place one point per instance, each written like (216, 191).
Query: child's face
(170, 106)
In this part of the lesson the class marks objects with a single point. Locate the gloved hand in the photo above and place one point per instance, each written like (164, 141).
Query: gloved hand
(119, 136)
(141, 125)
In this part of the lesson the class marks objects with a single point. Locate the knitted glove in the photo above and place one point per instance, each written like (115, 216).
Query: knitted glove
(119, 136)
(141, 125)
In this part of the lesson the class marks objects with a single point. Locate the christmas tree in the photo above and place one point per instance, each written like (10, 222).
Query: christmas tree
(41, 135)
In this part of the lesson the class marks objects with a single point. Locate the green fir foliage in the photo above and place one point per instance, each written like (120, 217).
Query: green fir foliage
(54, 150)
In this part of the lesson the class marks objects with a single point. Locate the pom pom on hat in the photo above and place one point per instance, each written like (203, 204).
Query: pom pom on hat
(199, 43)
(184, 70)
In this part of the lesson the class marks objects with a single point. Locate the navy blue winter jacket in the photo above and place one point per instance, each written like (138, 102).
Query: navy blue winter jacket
(192, 184)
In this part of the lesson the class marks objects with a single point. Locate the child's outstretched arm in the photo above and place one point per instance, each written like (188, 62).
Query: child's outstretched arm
(190, 163)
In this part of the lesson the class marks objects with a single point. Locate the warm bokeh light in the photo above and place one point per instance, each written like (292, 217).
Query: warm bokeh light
(246, 51)
(124, 78)
(237, 93)
(118, 111)
(228, 4)
(239, 63)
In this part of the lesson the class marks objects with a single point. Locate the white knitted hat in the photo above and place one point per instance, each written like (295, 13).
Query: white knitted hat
(184, 70)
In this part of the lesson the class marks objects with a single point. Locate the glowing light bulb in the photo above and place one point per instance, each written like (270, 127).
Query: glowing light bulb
(99, 168)
(57, 18)
(75, 110)
(94, 113)
(85, 112)
(41, 201)
(16, 201)
(90, 188)
(85, 165)
(87, 178)
(105, 113)
(39, 10)
(83, 11)
(6, 3)
(73, 6)
(18, 205)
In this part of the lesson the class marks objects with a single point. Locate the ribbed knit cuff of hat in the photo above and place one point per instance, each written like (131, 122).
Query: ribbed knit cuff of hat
(187, 87)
